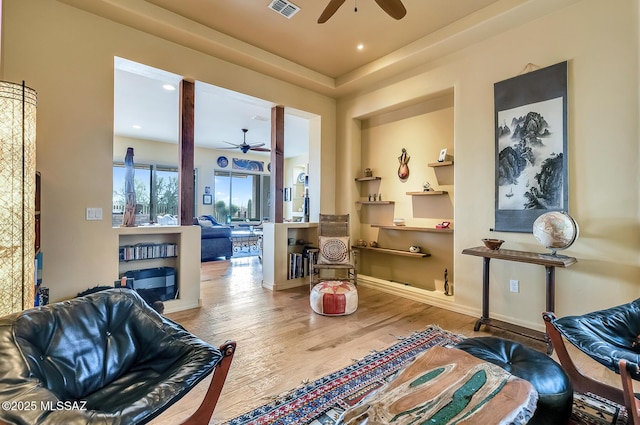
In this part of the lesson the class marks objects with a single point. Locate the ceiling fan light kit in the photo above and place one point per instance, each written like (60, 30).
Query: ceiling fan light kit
(393, 8)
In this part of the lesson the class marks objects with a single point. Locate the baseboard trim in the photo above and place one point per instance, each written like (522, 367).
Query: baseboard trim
(437, 299)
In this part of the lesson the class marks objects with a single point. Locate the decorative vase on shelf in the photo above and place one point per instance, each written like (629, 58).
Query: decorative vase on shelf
(129, 216)
(403, 169)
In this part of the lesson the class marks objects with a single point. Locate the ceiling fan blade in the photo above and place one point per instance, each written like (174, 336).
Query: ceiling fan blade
(261, 149)
(328, 12)
(232, 144)
(394, 8)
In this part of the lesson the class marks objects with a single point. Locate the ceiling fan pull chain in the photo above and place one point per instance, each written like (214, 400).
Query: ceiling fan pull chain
(355, 9)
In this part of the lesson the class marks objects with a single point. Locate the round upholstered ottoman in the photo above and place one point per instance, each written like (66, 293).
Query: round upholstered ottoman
(555, 393)
(334, 298)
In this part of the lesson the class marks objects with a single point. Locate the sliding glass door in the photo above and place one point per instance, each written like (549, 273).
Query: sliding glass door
(240, 196)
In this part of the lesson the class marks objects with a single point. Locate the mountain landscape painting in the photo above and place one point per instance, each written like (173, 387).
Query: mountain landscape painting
(530, 156)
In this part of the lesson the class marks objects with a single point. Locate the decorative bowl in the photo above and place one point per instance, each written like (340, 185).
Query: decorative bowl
(399, 222)
(493, 244)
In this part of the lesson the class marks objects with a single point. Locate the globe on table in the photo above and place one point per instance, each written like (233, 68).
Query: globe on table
(555, 230)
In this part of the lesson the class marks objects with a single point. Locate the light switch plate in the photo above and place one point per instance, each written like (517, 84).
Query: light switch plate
(94, 213)
(514, 285)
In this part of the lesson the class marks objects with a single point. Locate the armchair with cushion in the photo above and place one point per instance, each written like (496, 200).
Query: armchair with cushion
(610, 337)
(108, 357)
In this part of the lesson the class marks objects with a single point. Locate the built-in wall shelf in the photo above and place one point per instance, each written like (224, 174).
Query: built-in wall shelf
(440, 164)
(367, 179)
(375, 202)
(394, 252)
(428, 193)
(413, 228)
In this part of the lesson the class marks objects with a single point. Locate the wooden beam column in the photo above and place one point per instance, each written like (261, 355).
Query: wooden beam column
(185, 153)
(277, 164)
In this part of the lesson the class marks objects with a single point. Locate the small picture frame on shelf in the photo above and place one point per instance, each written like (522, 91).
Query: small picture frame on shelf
(443, 155)
(207, 199)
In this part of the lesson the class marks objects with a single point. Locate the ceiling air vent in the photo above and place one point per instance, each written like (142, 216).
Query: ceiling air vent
(284, 8)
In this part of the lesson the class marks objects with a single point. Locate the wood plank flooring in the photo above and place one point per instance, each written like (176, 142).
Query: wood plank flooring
(282, 342)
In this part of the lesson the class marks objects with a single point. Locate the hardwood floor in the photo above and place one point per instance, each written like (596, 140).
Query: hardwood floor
(282, 342)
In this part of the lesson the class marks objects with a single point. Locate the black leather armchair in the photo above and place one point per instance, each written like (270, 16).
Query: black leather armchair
(106, 358)
(610, 337)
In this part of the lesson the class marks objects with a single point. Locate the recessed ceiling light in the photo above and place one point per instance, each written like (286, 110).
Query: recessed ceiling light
(137, 127)
(169, 87)
(360, 46)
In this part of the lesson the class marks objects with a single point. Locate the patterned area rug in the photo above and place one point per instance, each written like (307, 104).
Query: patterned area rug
(589, 409)
(321, 402)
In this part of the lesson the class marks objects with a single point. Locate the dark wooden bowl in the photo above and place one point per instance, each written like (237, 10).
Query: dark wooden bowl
(493, 244)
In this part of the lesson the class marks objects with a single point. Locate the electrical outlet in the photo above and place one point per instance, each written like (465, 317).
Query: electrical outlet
(514, 285)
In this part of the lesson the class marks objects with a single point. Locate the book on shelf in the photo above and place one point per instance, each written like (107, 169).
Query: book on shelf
(300, 263)
(144, 251)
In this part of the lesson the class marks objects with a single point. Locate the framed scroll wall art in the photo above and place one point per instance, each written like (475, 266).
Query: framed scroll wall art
(530, 147)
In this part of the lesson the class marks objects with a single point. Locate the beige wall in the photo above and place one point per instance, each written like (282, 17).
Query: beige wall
(67, 56)
(600, 42)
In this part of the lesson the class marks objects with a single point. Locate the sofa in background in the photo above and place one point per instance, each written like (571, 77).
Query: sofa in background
(215, 239)
(105, 358)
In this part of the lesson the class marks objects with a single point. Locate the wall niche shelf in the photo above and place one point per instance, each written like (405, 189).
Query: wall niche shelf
(413, 228)
(375, 202)
(440, 164)
(367, 179)
(428, 193)
(394, 252)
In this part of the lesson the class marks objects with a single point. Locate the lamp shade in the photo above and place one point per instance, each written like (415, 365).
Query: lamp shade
(17, 196)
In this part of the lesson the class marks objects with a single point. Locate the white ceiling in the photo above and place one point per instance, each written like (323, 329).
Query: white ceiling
(144, 109)
(319, 57)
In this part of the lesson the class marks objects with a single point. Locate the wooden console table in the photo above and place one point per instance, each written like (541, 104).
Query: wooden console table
(550, 262)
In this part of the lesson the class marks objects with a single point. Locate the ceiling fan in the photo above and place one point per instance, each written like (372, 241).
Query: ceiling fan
(394, 8)
(246, 147)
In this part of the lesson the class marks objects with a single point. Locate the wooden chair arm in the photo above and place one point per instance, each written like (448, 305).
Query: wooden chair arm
(203, 414)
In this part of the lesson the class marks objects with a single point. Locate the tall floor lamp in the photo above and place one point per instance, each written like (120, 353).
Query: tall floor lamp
(17, 196)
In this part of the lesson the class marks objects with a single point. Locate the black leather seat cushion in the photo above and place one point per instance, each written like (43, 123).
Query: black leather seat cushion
(606, 335)
(555, 393)
(109, 349)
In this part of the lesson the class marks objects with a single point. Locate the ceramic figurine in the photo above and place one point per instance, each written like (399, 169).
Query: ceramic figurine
(447, 288)
(403, 169)
(426, 186)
